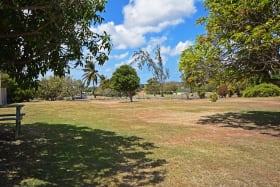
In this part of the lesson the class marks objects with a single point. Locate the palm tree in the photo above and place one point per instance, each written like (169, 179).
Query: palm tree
(90, 74)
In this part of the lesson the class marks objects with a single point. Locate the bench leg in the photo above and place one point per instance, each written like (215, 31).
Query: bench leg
(18, 122)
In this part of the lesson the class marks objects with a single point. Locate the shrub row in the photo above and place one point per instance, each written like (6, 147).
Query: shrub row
(262, 90)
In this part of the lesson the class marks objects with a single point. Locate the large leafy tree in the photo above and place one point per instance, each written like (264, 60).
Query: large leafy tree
(38, 36)
(198, 64)
(247, 35)
(241, 45)
(50, 88)
(156, 65)
(126, 80)
(91, 74)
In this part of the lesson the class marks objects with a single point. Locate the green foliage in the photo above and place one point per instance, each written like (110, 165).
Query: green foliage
(200, 92)
(214, 97)
(262, 90)
(53, 88)
(50, 88)
(152, 86)
(191, 64)
(126, 80)
(156, 65)
(247, 35)
(198, 64)
(241, 46)
(38, 36)
(91, 74)
(171, 87)
(104, 87)
(15, 93)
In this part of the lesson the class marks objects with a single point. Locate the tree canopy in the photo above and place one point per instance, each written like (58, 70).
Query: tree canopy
(242, 42)
(38, 36)
(53, 88)
(125, 79)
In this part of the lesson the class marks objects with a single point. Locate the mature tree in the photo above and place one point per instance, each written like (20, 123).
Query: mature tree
(201, 69)
(38, 36)
(156, 65)
(71, 87)
(90, 74)
(198, 64)
(125, 79)
(50, 88)
(152, 86)
(246, 34)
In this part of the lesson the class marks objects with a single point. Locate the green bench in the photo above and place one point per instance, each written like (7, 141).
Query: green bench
(17, 117)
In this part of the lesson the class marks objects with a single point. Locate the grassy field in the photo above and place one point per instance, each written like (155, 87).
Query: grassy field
(233, 142)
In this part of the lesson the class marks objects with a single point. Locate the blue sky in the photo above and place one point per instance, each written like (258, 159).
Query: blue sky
(144, 24)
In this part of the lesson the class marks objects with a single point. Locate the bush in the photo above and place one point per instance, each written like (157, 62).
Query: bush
(262, 90)
(214, 97)
(222, 91)
(201, 93)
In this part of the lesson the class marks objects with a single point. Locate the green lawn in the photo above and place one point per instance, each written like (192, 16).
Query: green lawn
(233, 142)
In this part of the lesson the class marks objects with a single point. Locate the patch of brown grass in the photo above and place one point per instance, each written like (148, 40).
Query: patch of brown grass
(233, 142)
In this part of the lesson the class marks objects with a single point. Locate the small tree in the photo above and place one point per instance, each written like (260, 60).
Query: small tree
(152, 86)
(143, 57)
(90, 74)
(125, 79)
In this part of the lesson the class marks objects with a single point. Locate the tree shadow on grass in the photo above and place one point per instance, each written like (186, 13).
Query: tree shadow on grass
(265, 122)
(67, 155)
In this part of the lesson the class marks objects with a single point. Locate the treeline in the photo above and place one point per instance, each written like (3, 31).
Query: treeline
(61, 88)
(51, 88)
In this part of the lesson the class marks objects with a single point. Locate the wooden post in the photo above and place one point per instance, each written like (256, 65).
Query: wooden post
(18, 121)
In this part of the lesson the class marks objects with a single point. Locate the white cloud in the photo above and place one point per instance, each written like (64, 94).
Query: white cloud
(181, 46)
(120, 56)
(177, 50)
(122, 38)
(146, 16)
(125, 62)
(152, 12)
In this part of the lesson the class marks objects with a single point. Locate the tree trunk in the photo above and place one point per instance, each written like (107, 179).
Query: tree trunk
(93, 92)
(161, 90)
(130, 96)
